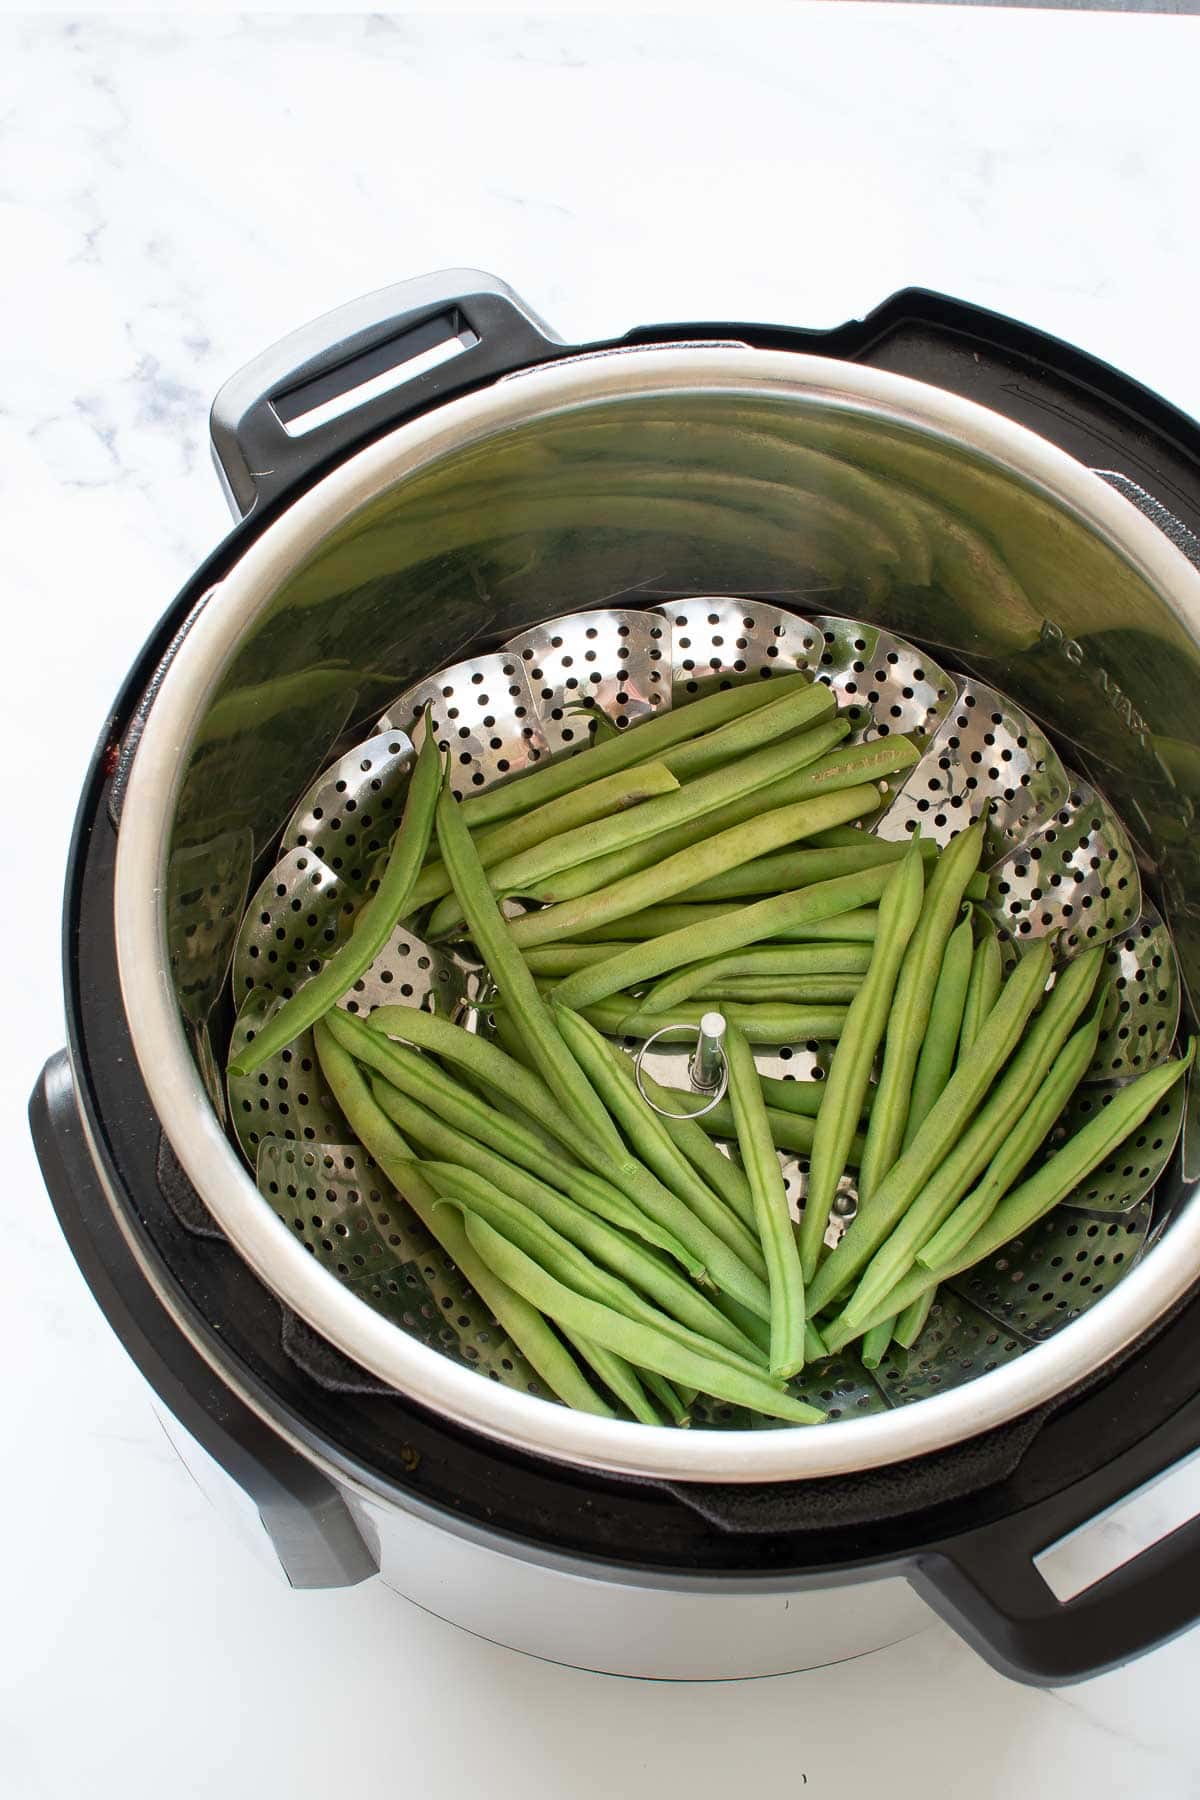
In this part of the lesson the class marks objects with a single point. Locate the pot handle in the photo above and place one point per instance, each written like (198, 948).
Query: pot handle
(305, 1523)
(986, 1583)
(366, 366)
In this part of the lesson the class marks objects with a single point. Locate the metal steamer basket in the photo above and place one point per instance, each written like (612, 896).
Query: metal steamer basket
(519, 536)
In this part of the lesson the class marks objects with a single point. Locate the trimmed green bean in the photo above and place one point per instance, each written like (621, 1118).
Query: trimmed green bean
(942, 1129)
(911, 1004)
(912, 1321)
(1000, 1116)
(1021, 1209)
(695, 801)
(720, 1172)
(762, 1024)
(721, 851)
(775, 960)
(794, 711)
(640, 1344)
(936, 1061)
(522, 1322)
(563, 959)
(799, 868)
(639, 743)
(854, 927)
(785, 1279)
(494, 941)
(876, 1341)
(563, 1255)
(850, 1071)
(783, 990)
(619, 1377)
(372, 928)
(987, 973)
(676, 1403)
(648, 1135)
(744, 925)
(627, 787)
(1029, 1132)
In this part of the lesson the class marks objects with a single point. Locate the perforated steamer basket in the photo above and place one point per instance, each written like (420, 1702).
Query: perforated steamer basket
(708, 509)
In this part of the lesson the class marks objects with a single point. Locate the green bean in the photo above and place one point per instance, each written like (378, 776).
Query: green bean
(695, 801)
(751, 924)
(854, 927)
(761, 1024)
(640, 1344)
(850, 1070)
(911, 1322)
(983, 987)
(372, 928)
(523, 1324)
(720, 851)
(790, 1131)
(789, 960)
(792, 712)
(677, 1403)
(618, 1376)
(647, 1133)
(785, 1279)
(911, 1004)
(1058, 1177)
(566, 1257)
(942, 1129)
(833, 772)
(455, 1111)
(564, 959)
(936, 1061)
(799, 868)
(494, 941)
(876, 1341)
(1029, 1132)
(783, 990)
(720, 1172)
(627, 787)
(998, 1118)
(638, 744)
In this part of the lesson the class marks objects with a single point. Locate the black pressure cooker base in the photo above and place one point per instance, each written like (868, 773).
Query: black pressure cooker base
(166, 1276)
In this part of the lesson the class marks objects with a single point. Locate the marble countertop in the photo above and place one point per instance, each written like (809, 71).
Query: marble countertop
(174, 194)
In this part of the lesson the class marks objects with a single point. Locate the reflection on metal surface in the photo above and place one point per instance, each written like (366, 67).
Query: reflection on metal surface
(1141, 1015)
(206, 891)
(287, 1097)
(1077, 875)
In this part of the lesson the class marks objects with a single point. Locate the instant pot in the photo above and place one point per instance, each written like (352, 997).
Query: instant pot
(419, 479)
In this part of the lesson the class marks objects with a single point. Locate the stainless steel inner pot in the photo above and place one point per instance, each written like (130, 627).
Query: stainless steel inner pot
(645, 475)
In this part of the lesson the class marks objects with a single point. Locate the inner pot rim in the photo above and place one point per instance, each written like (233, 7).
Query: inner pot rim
(173, 1081)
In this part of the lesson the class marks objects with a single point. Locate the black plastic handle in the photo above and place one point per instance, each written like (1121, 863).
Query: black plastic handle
(269, 422)
(987, 1586)
(307, 1520)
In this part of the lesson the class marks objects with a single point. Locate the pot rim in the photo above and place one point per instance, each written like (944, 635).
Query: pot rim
(173, 1081)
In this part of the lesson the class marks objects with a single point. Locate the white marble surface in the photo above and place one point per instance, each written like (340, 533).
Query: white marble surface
(175, 193)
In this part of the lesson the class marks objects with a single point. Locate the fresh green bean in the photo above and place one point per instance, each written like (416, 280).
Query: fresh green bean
(564, 959)
(721, 1173)
(785, 1279)
(942, 1129)
(785, 959)
(648, 1135)
(761, 1024)
(911, 1004)
(640, 743)
(999, 1117)
(794, 711)
(523, 1324)
(627, 787)
(783, 990)
(562, 1254)
(936, 1061)
(800, 868)
(751, 924)
(619, 1377)
(696, 800)
(854, 927)
(674, 872)
(676, 1403)
(460, 1116)
(494, 941)
(850, 1071)
(911, 1322)
(983, 987)
(640, 1344)
(876, 1341)
(372, 928)
(1058, 1177)
(1029, 1132)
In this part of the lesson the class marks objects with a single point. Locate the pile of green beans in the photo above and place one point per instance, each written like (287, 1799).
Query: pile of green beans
(716, 857)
